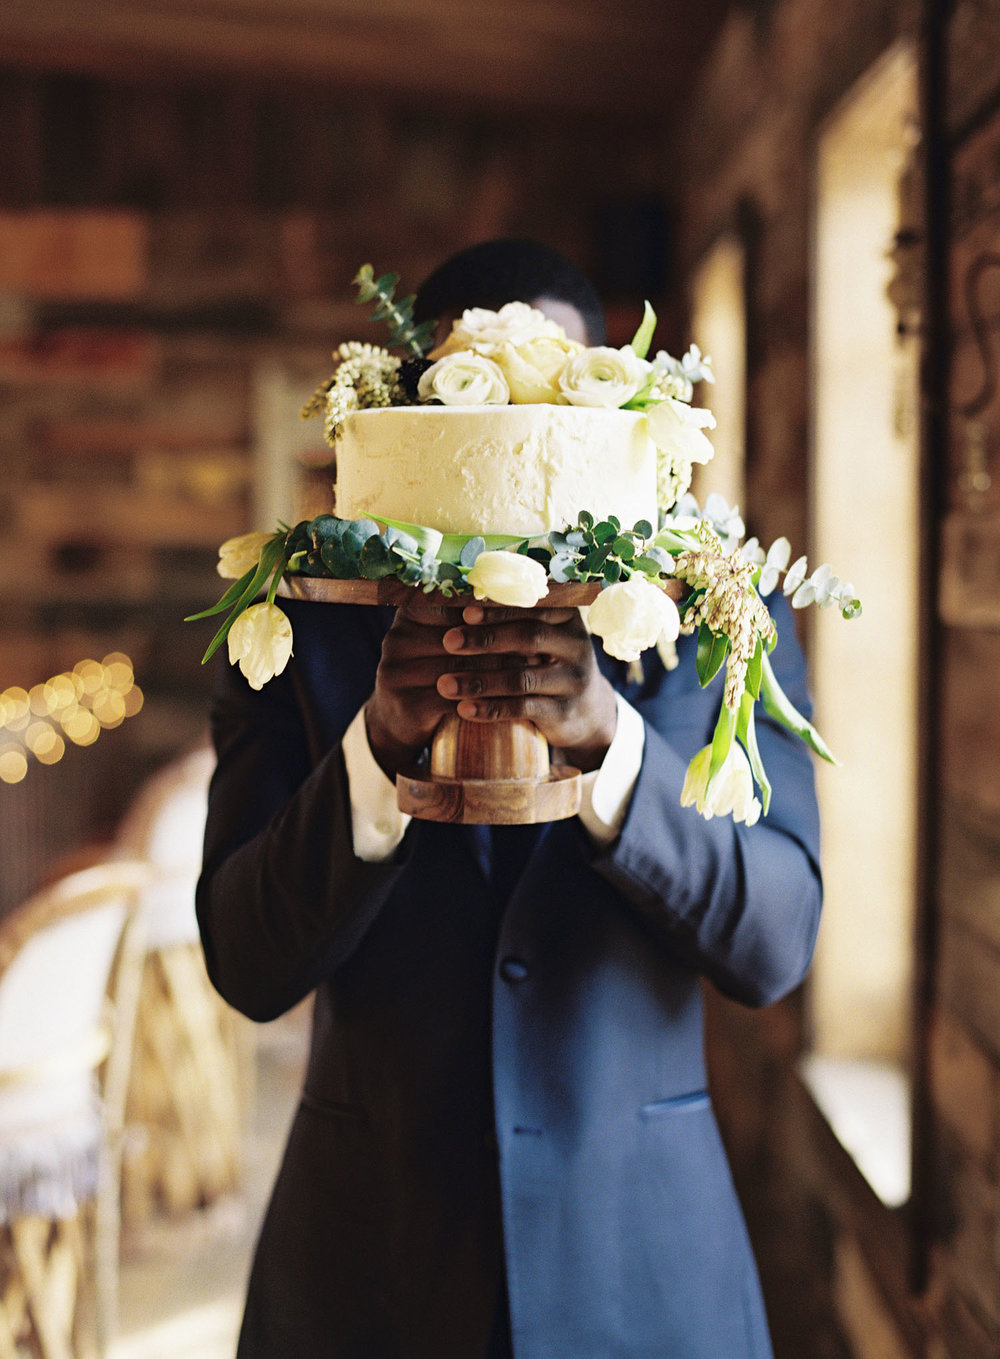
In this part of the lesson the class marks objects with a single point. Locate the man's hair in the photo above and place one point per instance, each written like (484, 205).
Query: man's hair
(494, 272)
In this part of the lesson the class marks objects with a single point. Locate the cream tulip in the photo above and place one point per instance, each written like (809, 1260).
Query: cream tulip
(508, 578)
(239, 555)
(730, 792)
(632, 615)
(260, 642)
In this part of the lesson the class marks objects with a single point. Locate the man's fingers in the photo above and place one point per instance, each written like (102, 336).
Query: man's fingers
(500, 613)
(434, 611)
(531, 633)
(555, 680)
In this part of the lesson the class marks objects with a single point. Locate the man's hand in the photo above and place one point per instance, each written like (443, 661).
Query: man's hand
(490, 663)
(406, 707)
(533, 663)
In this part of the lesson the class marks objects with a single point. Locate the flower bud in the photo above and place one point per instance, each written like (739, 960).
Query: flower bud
(260, 642)
(239, 555)
(730, 792)
(508, 578)
(631, 616)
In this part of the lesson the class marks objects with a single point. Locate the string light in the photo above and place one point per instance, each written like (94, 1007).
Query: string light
(74, 706)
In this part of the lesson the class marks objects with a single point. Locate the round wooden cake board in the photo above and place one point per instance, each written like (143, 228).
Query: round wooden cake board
(495, 773)
(323, 590)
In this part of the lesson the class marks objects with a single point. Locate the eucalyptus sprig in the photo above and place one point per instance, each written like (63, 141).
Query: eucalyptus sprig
(821, 588)
(602, 550)
(397, 314)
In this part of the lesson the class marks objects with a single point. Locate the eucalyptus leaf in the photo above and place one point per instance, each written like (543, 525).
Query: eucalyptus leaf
(648, 564)
(377, 559)
(471, 551)
(324, 526)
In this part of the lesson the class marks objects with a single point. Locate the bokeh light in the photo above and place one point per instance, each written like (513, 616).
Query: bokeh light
(77, 704)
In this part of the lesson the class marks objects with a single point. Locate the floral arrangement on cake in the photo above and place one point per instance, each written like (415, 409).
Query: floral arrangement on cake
(518, 355)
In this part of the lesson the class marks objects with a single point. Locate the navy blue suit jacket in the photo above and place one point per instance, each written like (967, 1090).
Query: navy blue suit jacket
(501, 1083)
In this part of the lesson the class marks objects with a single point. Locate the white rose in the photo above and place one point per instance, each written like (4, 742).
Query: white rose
(464, 379)
(533, 367)
(260, 642)
(601, 376)
(633, 615)
(731, 791)
(509, 578)
(238, 555)
(484, 330)
(676, 429)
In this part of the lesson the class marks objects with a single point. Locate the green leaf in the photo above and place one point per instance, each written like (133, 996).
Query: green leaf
(649, 566)
(746, 731)
(230, 597)
(612, 572)
(643, 528)
(752, 682)
(623, 547)
(722, 741)
(778, 706)
(270, 555)
(713, 648)
(593, 562)
(643, 337)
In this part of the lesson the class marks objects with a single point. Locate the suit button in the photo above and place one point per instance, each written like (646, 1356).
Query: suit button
(513, 969)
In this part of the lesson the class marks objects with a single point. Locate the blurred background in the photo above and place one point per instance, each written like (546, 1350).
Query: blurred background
(812, 194)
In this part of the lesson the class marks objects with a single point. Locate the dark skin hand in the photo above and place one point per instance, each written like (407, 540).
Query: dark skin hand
(488, 662)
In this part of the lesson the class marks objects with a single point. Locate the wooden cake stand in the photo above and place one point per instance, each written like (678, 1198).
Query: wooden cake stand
(492, 773)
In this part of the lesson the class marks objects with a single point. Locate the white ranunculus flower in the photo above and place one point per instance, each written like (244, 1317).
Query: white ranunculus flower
(632, 615)
(677, 429)
(464, 379)
(601, 376)
(533, 367)
(260, 642)
(483, 330)
(508, 578)
(731, 792)
(238, 555)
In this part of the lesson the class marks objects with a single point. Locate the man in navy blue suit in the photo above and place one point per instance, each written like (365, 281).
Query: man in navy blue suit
(504, 1145)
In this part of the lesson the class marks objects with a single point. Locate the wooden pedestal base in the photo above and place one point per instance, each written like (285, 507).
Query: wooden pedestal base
(495, 773)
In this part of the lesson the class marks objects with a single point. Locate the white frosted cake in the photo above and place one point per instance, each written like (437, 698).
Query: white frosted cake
(515, 469)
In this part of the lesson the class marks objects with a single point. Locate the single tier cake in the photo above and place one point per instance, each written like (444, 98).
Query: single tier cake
(518, 469)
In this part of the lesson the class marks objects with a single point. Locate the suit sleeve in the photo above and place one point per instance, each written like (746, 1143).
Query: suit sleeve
(739, 904)
(282, 899)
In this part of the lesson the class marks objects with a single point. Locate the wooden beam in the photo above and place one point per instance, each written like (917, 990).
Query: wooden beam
(584, 57)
